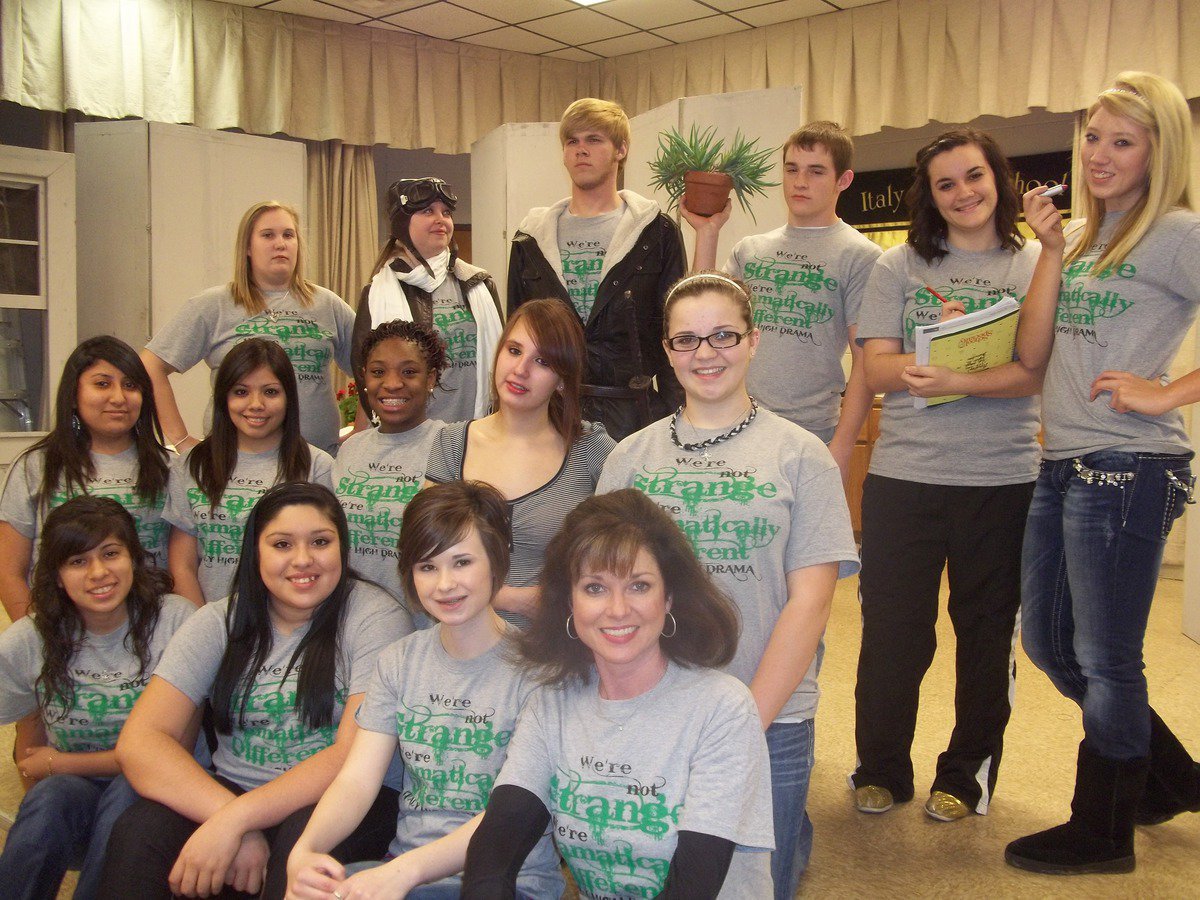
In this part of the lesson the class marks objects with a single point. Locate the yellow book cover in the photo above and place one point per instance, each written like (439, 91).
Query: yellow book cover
(975, 342)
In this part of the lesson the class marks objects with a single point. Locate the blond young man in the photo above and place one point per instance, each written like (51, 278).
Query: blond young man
(807, 280)
(610, 255)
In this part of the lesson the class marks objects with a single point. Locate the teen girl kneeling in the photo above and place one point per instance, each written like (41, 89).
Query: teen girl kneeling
(255, 443)
(98, 608)
(284, 661)
(450, 696)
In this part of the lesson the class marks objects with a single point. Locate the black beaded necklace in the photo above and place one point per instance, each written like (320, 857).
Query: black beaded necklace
(712, 441)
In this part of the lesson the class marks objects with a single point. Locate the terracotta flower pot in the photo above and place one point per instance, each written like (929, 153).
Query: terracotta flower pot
(706, 193)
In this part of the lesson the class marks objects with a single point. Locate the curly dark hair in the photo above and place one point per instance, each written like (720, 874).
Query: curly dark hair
(79, 526)
(605, 533)
(68, 459)
(927, 229)
(426, 337)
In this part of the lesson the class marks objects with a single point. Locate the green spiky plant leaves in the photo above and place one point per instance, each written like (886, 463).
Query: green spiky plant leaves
(703, 151)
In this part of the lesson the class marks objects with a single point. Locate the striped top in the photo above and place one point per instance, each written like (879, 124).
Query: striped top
(538, 515)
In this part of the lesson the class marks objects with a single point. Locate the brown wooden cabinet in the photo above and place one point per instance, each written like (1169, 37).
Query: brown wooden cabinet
(859, 463)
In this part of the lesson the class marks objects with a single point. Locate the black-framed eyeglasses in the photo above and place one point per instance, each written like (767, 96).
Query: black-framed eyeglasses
(718, 340)
(413, 195)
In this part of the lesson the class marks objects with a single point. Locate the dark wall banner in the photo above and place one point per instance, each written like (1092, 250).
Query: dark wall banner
(877, 198)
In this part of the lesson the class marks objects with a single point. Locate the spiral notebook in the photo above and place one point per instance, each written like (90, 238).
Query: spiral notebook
(975, 342)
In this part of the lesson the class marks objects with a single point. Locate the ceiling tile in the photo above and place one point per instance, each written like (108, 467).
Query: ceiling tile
(574, 54)
(316, 10)
(443, 20)
(514, 39)
(380, 7)
(656, 14)
(386, 26)
(731, 5)
(846, 3)
(700, 29)
(630, 43)
(782, 11)
(579, 27)
(516, 11)
(245, 2)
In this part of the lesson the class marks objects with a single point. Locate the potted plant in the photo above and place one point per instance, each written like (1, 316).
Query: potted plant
(700, 169)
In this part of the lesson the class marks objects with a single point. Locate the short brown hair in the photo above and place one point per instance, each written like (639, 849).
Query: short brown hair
(830, 135)
(607, 531)
(555, 329)
(440, 516)
(590, 114)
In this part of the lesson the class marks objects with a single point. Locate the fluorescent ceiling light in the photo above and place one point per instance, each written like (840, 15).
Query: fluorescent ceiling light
(587, 2)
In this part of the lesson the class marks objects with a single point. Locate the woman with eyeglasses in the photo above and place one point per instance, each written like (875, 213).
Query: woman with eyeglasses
(270, 298)
(419, 278)
(761, 500)
(948, 485)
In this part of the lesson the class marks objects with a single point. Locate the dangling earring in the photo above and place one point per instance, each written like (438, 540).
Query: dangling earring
(374, 419)
(573, 637)
(76, 425)
(674, 626)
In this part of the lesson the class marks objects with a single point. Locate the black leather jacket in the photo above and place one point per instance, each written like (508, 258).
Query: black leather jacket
(624, 331)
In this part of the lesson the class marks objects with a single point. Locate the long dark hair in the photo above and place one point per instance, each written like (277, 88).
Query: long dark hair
(555, 329)
(67, 449)
(606, 531)
(927, 229)
(79, 526)
(248, 619)
(213, 460)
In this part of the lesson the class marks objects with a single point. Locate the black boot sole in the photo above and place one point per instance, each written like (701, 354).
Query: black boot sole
(1100, 867)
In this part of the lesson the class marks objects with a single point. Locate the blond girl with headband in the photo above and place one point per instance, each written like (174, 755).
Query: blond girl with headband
(761, 500)
(1110, 302)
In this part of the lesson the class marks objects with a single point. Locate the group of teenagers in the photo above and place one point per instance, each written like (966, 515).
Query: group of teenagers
(269, 664)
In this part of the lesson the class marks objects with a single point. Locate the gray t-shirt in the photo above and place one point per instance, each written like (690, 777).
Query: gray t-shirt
(218, 532)
(374, 477)
(536, 516)
(1132, 319)
(621, 779)
(973, 441)
(454, 401)
(766, 502)
(208, 326)
(453, 719)
(116, 477)
(274, 737)
(582, 243)
(105, 673)
(807, 284)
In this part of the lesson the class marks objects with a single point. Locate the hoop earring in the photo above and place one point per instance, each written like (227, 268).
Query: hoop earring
(674, 626)
(573, 637)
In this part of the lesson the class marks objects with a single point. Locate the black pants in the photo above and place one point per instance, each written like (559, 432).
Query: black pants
(147, 839)
(911, 531)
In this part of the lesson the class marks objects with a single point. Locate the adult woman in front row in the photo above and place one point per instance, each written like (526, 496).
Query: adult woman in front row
(761, 500)
(534, 449)
(948, 485)
(1116, 473)
(631, 716)
(420, 278)
(285, 662)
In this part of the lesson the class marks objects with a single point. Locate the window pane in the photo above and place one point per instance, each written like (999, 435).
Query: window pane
(19, 269)
(19, 212)
(22, 369)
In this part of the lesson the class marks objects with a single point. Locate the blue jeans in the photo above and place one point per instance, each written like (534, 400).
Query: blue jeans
(63, 822)
(1093, 543)
(790, 745)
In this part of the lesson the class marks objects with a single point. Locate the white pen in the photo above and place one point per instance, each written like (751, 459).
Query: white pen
(1054, 191)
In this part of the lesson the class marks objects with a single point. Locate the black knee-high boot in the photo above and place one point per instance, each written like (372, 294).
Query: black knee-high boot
(1099, 836)
(1173, 783)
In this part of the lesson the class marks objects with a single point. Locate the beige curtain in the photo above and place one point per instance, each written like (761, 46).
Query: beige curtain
(900, 63)
(343, 217)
